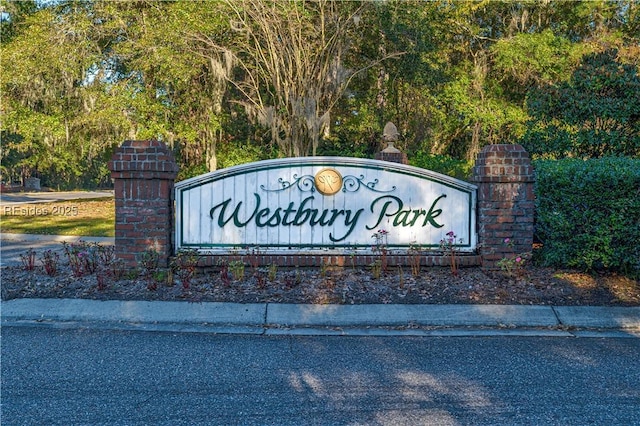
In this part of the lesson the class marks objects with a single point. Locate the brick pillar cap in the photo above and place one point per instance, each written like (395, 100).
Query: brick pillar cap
(143, 159)
(503, 163)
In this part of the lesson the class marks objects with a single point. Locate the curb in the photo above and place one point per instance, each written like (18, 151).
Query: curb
(404, 315)
(291, 319)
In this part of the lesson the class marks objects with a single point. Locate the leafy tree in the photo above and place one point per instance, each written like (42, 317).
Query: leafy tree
(596, 113)
(171, 93)
(45, 66)
(232, 81)
(290, 57)
(400, 89)
(529, 60)
(12, 15)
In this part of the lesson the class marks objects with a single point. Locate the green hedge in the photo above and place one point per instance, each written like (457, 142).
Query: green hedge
(588, 213)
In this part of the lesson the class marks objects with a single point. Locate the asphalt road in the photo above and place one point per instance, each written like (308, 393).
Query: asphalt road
(93, 377)
(16, 198)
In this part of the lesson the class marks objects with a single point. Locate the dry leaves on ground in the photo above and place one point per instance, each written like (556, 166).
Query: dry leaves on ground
(435, 285)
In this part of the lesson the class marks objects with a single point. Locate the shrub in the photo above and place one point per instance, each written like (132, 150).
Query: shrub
(588, 213)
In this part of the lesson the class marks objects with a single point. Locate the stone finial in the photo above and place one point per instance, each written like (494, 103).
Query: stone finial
(390, 135)
(390, 132)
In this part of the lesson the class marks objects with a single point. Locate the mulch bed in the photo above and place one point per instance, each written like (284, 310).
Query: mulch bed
(434, 285)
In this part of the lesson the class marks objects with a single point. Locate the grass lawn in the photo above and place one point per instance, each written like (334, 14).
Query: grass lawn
(87, 217)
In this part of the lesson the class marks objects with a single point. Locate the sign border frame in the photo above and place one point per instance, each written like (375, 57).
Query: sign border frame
(322, 161)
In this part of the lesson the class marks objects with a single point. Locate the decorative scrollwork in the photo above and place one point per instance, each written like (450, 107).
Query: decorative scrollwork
(304, 183)
(353, 183)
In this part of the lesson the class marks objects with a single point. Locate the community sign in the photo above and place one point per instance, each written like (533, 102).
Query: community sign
(323, 203)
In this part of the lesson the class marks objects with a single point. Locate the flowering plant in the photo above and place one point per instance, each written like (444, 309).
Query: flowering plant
(185, 264)
(83, 257)
(414, 253)
(513, 266)
(448, 245)
(149, 261)
(380, 246)
(28, 260)
(50, 262)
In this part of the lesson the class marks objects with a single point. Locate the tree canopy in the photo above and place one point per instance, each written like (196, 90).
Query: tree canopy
(225, 82)
(595, 113)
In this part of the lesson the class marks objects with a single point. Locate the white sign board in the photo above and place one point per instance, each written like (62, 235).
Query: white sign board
(324, 203)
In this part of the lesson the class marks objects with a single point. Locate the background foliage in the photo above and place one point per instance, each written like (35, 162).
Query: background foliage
(79, 77)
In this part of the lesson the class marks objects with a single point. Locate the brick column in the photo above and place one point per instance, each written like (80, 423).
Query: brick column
(394, 157)
(505, 178)
(144, 173)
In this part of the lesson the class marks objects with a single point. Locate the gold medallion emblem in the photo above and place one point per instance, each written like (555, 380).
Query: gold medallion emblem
(328, 181)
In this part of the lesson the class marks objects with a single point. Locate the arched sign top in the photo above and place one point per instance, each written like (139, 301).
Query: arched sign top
(328, 203)
(325, 162)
